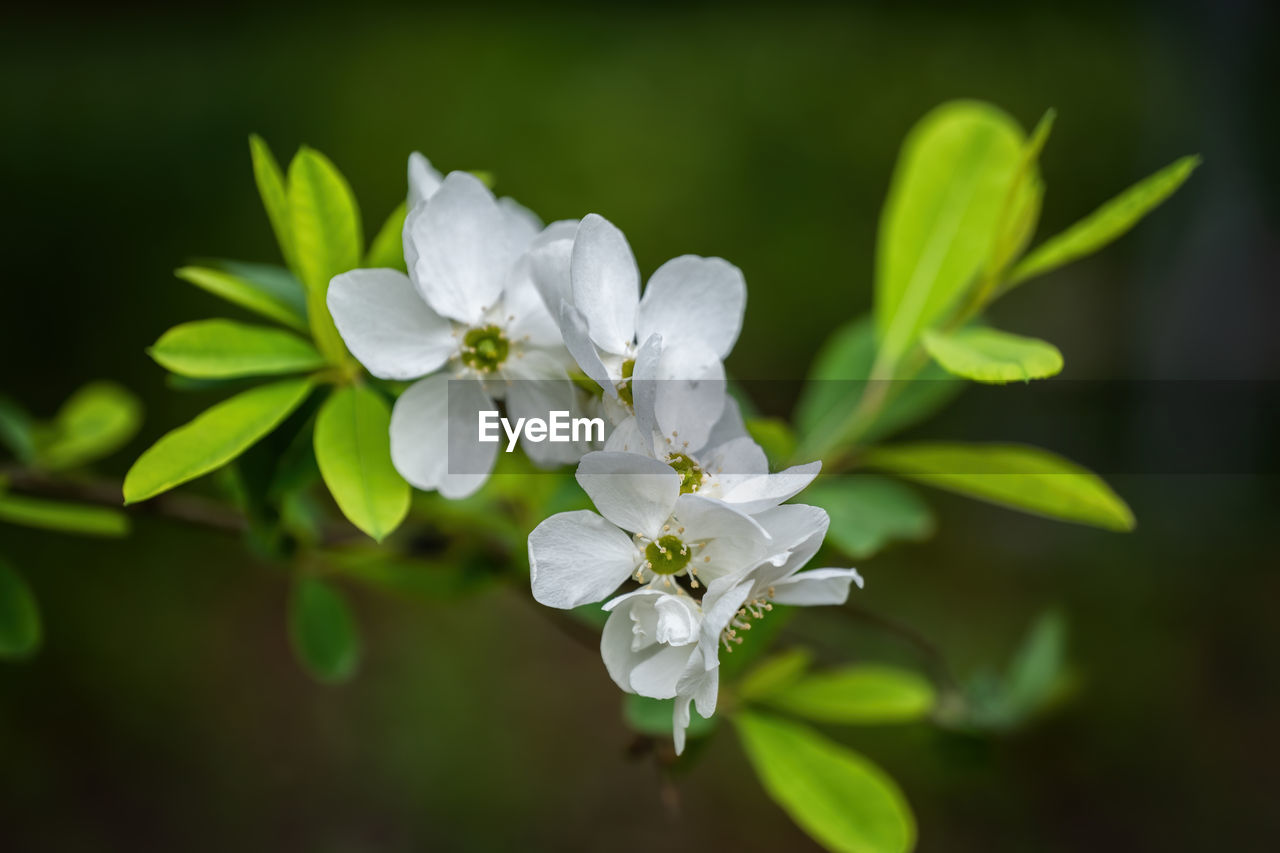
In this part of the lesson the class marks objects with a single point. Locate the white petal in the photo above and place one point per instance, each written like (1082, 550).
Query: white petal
(738, 460)
(755, 494)
(576, 558)
(464, 252)
(817, 587)
(679, 620)
(538, 398)
(680, 722)
(695, 299)
(419, 432)
(797, 531)
(522, 223)
(644, 387)
(576, 339)
(469, 460)
(701, 680)
(688, 392)
(735, 541)
(549, 263)
(605, 282)
(635, 492)
(730, 426)
(658, 673)
(523, 313)
(424, 180)
(387, 326)
(627, 437)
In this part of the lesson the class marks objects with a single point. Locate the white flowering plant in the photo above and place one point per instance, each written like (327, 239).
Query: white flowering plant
(678, 537)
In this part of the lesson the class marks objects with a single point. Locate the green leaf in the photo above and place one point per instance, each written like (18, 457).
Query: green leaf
(1105, 224)
(327, 238)
(941, 219)
(992, 356)
(19, 617)
(775, 437)
(1022, 204)
(387, 249)
(867, 513)
(225, 349)
(353, 448)
(95, 421)
(248, 294)
(653, 717)
(1015, 476)
(62, 517)
(825, 415)
(1037, 669)
(866, 694)
(323, 631)
(266, 173)
(17, 432)
(774, 674)
(213, 439)
(842, 800)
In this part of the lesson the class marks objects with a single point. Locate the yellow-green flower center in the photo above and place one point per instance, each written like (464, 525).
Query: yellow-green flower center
(690, 472)
(667, 555)
(485, 348)
(624, 387)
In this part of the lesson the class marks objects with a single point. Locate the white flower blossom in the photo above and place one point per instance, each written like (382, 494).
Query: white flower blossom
(646, 530)
(468, 318)
(729, 466)
(665, 644)
(671, 343)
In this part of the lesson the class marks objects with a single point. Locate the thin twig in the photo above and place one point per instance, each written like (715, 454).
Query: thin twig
(938, 661)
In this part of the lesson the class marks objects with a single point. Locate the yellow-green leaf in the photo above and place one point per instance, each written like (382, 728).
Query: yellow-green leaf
(1015, 476)
(249, 294)
(865, 694)
(1105, 224)
(20, 630)
(941, 219)
(774, 674)
(387, 248)
(95, 421)
(225, 349)
(846, 803)
(62, 517)
(323, 631)
(213, 439)
(353, 449)
(992, 356)
(271, 186)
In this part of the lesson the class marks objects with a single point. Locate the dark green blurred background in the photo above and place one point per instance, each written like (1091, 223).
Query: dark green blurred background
(166, 711)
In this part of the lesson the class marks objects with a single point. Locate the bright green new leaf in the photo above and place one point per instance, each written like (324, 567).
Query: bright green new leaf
(353, 449)
(837, 796)
(865, 694)
(62, 517)
(387, 248)
(827, 412)
(327, 238)
(19, 616)
(213, 439)
(225, 349)
(95, 421)
(774, 674)
(992, 356)
(271, 186)
(1022, 205)
(867, 513)
(1015, 476)
(248, 294)
(323, 631)
(1105, 224)
(653, 717)
(325, 217)
(1037, 669)
(941, 219)
(16, 430)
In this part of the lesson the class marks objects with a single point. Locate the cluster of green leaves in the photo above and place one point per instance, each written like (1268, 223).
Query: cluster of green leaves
(324, 418)
(94, 422)
(961, 211)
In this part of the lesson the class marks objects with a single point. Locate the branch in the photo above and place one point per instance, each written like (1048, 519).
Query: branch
(934, 656)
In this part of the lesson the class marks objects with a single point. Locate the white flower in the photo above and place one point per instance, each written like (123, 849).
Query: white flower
(468, 318)
(672, 341)
(666, 644)
(646, 530)
(729, 466)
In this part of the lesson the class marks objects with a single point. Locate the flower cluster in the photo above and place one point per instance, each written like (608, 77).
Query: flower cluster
(688, 513)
